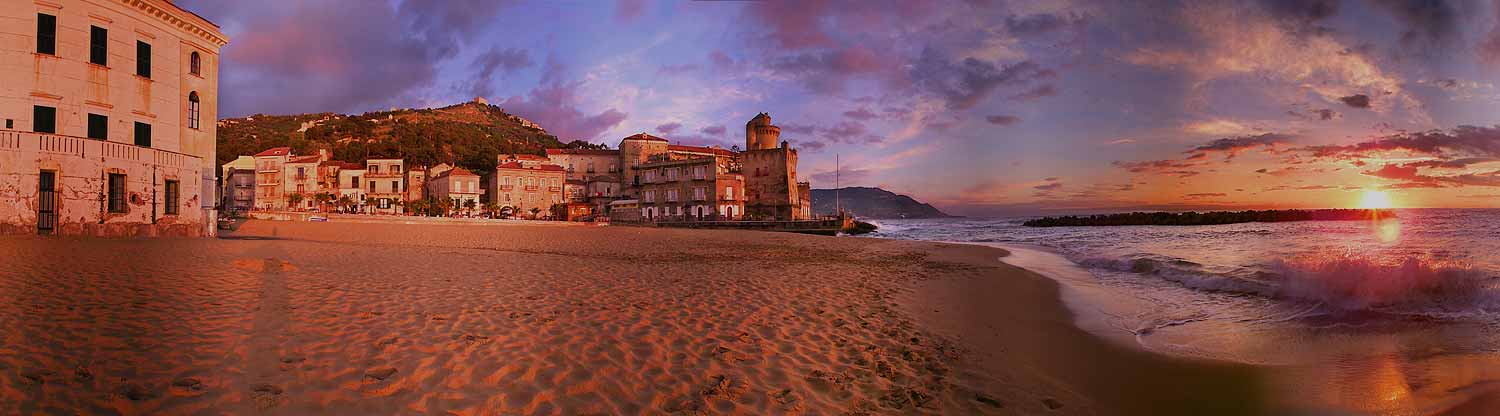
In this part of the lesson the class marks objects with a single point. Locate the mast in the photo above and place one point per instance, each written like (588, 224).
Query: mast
(837, 205)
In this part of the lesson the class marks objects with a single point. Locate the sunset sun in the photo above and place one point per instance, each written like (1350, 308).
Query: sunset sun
(1375, 200)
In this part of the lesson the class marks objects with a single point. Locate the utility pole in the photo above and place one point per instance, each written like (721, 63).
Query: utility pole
(838, 206)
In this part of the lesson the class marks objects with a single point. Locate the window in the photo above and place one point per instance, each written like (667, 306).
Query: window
(195, 64)
(372, 186)
(301, 174)
(698, 194)
(98, 127)
(142, 134)
(193, 108)
(650, 196)
(99, 46)
(374, 169)
(395, 169)
(395, 186)
(729, 193)
(143, 59)
(43, 119)
(171, 201)
(354, 182)
(116, 192)
(46, 34)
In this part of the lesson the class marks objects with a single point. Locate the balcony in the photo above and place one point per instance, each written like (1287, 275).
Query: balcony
(507, 187)
(93, 150)
(532, 188)
(554, 189)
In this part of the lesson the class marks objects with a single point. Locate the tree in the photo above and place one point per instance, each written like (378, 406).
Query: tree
(294, 200)
(492, 208)
(345, 202)
(534, 212)
(470, 204)
(369, 204)
(443, 206)
(323, 198)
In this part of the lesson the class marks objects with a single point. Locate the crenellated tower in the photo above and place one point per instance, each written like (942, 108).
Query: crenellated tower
(760, 134)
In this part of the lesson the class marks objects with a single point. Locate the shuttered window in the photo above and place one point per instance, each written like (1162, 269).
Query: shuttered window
(99, 45)
(46, 34)
(143, 59)
(116, 192)
(171, 200)
(98, 127)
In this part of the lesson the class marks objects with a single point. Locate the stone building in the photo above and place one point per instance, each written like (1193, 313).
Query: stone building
(383, 178)
(108, 112)
(523, 187)
(697, 189)
(460, 186)
(770, 167)
(634, 151)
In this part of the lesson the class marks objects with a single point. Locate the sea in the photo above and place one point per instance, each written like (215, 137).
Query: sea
(1392, 316)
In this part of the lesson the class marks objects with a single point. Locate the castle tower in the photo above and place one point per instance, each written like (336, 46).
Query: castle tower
(760, 134)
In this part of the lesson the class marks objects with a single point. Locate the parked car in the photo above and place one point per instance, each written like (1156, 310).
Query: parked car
(317, 218)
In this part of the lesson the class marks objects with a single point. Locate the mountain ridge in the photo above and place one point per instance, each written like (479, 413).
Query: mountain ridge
(872, 202)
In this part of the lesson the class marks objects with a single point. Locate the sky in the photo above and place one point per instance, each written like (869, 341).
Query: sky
(978, 107)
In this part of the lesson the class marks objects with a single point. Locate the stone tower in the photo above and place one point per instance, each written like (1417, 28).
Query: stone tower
(760, 134)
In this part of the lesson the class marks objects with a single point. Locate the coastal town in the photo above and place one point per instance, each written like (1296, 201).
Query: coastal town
(644, 179)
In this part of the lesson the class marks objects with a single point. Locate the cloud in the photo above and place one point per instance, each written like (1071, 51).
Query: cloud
(1048, 186)
(1437, 21)
(826, 72)
(1356, 101)
(629, 10)
(963, 84)
(1120, 142)
(845, 177)
(1205, 195)
(668, 128)
(714, 130)
(1460, 141)
(1038, 24)
(861, 114)
(493, 61)
(1003, 120)
(1154, 165)
(555, 106)
(1233, 145)
(1042, 91)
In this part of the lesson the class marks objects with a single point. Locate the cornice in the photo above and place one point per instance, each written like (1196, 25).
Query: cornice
(171, 15)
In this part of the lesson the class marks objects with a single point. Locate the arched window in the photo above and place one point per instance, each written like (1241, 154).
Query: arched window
(195, 64)
(193, 110)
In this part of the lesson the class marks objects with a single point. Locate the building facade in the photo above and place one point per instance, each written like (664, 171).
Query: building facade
(524, 188)
(460, 186)
(697, 189)
(239, 191)
(269, 189)
(582, 164)
(351, 187)
(300, 182)
(108, 111)
(383, 181)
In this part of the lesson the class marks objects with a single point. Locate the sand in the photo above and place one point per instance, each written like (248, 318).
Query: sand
(341, 318)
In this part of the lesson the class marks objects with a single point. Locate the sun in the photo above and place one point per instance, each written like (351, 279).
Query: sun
(1375, 200)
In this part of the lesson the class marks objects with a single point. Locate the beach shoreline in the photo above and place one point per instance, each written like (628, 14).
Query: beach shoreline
(300, 317)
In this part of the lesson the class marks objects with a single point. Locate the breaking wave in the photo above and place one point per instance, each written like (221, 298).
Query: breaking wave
(1342, 281)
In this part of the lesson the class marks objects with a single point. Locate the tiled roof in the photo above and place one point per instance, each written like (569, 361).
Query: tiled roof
(700, 149)
(644, 136)
(517, 165)
(276, 151)
(601, 152)
(304, 159)
(351, 166)
(524, 156)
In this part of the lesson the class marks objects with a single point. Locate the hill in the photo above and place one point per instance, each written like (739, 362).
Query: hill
(872, 203)
(470, 135)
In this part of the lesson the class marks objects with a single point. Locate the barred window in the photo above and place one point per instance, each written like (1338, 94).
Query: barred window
(116, 192)
(171, 198)
(193, 109)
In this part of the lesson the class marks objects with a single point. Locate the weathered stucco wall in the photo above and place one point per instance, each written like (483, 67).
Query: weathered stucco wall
(81, 168)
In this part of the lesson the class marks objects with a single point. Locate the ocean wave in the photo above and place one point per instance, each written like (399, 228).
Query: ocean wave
(1339, 281)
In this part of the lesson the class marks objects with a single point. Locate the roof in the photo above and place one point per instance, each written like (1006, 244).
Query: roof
(644, 136)
(518, 165)
(719, 151)
(454, 172)
(304, 159)
(351, 166)
(524, 156)
(600, 152)
(335, 163)
(275, 151)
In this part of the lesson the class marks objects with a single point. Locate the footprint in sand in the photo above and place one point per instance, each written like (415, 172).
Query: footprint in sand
(187, 384)
(1052, 404)
(380, 374)
(266, 395)
(136, 392)
(263, 265)
(39, 376)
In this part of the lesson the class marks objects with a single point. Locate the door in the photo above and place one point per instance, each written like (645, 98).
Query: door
(46, 207)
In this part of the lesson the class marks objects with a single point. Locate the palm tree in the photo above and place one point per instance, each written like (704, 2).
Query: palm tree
(369, 204)
(470, 204)
(492, 208)
(534, 212)
(345, 202)
(323, 198)
(294, 200)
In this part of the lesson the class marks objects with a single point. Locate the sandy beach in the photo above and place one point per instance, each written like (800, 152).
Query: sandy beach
(339, 318)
